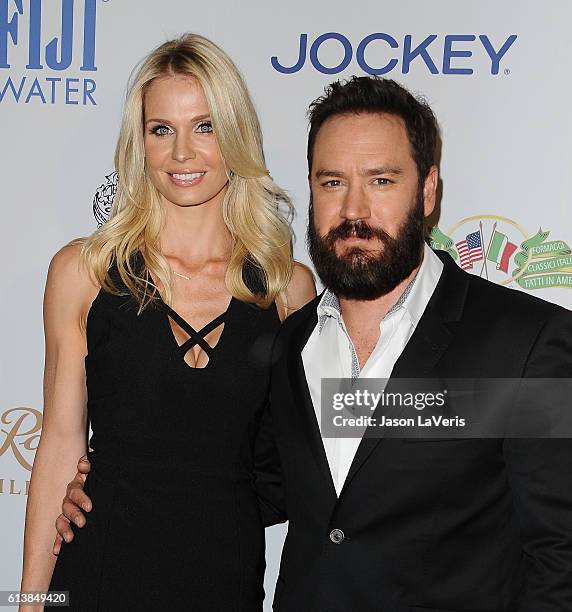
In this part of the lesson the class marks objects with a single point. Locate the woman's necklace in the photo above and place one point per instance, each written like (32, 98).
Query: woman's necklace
(181, 275)
(188, 278)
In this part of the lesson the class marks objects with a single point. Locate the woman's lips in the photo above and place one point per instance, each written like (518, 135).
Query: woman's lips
(186, 179)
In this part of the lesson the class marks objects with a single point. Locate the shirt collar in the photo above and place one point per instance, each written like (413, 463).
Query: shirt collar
(427, 278)
(414, 298)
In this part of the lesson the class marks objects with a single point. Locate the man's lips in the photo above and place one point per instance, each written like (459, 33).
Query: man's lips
(354, 238)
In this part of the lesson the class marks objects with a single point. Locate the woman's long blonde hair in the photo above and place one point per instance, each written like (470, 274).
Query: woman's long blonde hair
(253, 207)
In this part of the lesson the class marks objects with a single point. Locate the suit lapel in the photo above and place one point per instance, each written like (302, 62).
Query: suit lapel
(302, 397)
(427, 344)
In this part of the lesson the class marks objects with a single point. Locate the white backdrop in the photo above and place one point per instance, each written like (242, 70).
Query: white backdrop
(496, 74)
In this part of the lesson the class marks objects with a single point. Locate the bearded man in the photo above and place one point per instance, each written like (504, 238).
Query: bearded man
(386, 524)
(379, 524)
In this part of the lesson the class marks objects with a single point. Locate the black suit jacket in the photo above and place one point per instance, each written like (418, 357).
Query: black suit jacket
(430, 525)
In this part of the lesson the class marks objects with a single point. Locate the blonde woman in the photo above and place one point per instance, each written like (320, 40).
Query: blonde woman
(174, 304)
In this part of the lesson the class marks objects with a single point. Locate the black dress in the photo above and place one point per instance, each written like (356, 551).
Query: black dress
(175, 523)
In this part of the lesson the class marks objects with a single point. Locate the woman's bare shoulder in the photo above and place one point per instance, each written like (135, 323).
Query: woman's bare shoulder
(69, 287)
(301, 289)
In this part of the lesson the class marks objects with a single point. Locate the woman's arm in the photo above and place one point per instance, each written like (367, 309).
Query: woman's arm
(267, 470)
(68, 296)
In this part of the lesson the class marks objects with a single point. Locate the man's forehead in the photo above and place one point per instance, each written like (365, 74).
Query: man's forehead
(363, 134)
(364, 121)
(368, 141)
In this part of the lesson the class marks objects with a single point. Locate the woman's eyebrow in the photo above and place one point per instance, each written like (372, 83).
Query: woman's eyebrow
(193, 120)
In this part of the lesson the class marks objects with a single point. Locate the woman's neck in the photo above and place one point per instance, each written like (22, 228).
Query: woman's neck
(195, 234)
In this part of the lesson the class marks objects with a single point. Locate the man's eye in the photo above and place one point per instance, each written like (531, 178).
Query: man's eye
(161, 130)
(205, 127)
(332, 183)
(381, 181)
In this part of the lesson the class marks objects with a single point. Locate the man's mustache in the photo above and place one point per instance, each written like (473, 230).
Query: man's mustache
(358, 229)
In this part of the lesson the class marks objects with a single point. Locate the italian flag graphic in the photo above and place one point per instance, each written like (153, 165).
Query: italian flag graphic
(500, 250)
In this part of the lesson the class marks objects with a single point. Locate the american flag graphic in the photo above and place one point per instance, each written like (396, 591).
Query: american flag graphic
(470, 250)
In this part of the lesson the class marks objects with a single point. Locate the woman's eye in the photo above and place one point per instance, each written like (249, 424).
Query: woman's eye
(206, 127)
(161, 130)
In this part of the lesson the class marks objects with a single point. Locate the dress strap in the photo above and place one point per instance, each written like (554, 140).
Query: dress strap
(195, 337)
(204, 331)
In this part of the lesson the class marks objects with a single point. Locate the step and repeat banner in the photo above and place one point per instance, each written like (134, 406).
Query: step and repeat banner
(496, 73)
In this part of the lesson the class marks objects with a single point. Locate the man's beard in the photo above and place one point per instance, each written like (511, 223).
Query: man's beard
(361, 274)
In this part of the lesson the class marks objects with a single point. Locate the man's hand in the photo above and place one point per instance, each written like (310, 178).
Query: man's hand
(73, 503)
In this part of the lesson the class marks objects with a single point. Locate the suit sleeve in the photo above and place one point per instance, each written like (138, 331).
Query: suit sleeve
(267, 473)
(540, 476)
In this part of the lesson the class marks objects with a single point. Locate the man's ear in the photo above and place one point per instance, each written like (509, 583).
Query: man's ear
(430, 190)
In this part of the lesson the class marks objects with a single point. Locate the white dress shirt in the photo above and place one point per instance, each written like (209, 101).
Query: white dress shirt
(330, 353)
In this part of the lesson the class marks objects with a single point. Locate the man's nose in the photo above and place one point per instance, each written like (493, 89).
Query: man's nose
(355, 204)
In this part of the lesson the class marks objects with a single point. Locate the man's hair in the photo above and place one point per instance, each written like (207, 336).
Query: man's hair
(373, 94)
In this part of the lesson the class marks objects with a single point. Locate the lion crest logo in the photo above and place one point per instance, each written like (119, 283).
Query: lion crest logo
(103, 198)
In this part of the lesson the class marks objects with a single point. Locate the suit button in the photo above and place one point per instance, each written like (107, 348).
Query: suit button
(337, 536)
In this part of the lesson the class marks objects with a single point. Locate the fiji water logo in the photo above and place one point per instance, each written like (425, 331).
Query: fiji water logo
(43, 64)
(380, 53)
(501, 250)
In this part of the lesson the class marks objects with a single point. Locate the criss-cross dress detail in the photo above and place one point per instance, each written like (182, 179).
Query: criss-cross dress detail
(196, 337)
